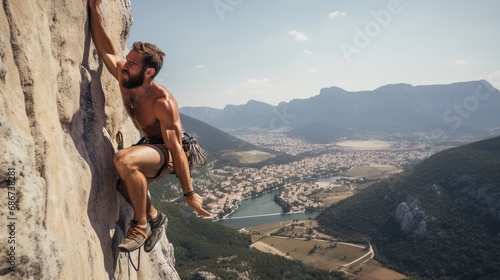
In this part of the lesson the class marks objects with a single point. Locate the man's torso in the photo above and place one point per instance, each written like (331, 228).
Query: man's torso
(142, 113)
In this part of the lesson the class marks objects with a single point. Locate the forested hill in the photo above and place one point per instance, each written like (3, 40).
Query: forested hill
(438, 220)
(207, 250)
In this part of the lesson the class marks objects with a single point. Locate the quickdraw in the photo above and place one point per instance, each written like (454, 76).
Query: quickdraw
(193, 151)
(119, 140)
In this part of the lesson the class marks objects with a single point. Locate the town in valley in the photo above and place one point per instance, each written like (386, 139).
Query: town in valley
(327, 174)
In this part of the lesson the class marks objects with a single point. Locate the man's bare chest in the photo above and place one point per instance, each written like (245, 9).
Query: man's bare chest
(142, 116)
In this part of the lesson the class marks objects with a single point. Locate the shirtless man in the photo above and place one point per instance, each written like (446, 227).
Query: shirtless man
(155, 114)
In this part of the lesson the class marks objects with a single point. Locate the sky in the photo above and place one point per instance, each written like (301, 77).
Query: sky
(221, 52)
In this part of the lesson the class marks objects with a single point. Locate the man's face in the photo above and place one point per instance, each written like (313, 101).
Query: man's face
(131, 81)
(133, 71)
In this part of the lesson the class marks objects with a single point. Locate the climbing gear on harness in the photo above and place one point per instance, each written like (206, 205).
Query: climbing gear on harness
(189, 144)
(193, 151)
(119, 140)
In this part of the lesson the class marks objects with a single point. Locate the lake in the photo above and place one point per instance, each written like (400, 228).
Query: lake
(263, 210)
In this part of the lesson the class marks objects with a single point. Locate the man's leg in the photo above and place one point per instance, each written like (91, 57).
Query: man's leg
(151, 212)
(134, 165)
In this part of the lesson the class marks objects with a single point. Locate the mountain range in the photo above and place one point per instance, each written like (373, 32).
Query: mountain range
(469, 107)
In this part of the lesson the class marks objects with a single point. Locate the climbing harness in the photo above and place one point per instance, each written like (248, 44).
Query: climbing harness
(189, 145)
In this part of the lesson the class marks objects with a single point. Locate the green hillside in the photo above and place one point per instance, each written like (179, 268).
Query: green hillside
(215, 141)
(452, 220)
(201, 245)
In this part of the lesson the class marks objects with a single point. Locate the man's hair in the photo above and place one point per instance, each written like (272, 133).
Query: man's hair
(152, 55)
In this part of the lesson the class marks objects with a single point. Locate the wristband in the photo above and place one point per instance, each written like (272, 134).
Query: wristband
(189, 194)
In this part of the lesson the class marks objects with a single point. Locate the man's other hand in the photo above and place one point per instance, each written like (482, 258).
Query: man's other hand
(196, 203)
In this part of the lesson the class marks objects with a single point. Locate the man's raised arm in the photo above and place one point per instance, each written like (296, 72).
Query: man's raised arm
(105, 47)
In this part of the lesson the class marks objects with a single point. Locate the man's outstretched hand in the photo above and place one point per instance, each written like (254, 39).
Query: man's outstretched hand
(196, 203)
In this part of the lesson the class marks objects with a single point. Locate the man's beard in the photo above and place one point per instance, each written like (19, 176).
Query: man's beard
(133, 81)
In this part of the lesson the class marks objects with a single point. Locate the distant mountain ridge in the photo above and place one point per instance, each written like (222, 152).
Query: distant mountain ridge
(394, 107)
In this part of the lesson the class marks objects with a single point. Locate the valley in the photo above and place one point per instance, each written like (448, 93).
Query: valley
(353, 165)
(436, 188)
(328, 174)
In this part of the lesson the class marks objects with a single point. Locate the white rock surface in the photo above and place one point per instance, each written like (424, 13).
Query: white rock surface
(59, 112)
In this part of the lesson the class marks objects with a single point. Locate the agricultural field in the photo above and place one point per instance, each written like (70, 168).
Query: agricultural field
(300, 241)
(247, 157)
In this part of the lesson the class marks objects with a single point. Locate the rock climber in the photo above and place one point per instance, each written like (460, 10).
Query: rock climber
(155, 113)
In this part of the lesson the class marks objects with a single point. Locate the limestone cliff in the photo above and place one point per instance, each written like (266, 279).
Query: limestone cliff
(59, 112)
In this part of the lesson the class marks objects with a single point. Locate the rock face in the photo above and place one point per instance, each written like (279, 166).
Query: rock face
(59, 112)
(411, 219)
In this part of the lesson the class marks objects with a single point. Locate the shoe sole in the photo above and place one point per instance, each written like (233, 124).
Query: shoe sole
(126, 250)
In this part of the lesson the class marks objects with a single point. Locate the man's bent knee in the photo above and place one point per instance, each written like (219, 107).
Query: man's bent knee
(122, 162)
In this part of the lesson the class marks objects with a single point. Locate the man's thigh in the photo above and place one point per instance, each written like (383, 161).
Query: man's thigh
(147, 158)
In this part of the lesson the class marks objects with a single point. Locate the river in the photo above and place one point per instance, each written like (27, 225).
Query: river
(263, 210)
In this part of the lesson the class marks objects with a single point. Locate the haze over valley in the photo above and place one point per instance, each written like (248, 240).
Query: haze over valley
(331, 148)
(430, 113)
(335, 133)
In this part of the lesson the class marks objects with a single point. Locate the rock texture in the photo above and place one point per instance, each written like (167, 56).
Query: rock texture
(59, 112)
(411, 219)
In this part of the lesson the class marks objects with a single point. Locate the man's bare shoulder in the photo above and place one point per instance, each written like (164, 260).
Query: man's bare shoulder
(165, 103)
(165, 90)
(165, 96)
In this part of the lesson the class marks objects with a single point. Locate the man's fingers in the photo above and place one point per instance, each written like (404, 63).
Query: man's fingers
(203, 212)
(196, 202)
(200, 210)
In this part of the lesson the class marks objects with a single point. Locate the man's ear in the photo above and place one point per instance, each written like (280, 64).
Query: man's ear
(150, 72)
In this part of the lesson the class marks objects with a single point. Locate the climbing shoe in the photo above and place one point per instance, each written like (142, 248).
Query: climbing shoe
(156, 231)
(135, 238)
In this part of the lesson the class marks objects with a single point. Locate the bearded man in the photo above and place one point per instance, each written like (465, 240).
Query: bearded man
(155, 114)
